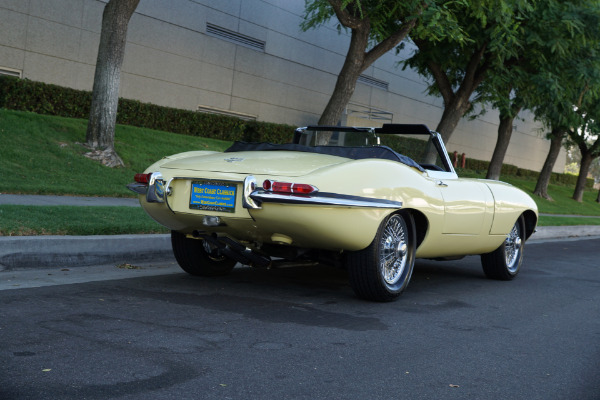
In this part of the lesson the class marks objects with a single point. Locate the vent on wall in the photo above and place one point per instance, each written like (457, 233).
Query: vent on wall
(234, 37)
(368, 80)
(229, 113)
(11, 72)
(354, 110)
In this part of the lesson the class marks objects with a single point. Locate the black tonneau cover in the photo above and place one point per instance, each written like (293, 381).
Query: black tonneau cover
(354, 153)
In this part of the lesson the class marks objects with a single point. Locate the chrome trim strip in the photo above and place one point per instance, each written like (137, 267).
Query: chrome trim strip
(324, 199)
(442, 149)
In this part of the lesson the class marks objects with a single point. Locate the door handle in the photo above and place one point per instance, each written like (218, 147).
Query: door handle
(441, 183)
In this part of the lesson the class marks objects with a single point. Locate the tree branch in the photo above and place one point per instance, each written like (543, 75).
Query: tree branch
(474, 74)
(441, 78)
(345, 18)
(389, 43)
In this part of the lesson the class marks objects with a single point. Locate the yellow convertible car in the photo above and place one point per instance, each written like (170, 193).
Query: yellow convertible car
(369, 199)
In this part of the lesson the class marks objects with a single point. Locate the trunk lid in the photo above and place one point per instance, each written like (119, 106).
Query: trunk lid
(287, 163)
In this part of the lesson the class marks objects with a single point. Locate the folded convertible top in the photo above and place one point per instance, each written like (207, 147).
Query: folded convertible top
(354, 153)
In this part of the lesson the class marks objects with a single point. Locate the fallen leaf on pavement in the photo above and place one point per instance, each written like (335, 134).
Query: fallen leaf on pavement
(128, 266)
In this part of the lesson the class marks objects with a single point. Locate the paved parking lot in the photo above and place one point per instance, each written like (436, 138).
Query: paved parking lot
(300, 333)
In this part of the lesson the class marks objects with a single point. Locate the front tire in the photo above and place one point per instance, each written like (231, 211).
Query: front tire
(197, 258)
(382, 271)
(504, 263)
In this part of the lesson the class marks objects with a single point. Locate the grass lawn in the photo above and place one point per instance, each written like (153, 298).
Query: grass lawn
(66, 220)
(43, 155)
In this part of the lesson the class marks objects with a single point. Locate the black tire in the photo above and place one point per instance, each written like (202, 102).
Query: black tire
(193, 257)
(504, 263)
(370, 276)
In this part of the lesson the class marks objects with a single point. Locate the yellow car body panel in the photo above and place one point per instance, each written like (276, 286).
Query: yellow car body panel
(464, 216)
(336, 195)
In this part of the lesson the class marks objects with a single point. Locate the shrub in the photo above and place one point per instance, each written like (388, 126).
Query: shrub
(43, 98)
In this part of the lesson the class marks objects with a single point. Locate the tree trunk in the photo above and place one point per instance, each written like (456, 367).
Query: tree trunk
(586, 162)
(541, 187)
(598, 198)
(357, 59)
(346, 81)
(105, 96)
(453, 113)
(505, 130)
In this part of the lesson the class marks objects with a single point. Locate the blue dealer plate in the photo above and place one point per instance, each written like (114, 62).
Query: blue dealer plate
(213, 196)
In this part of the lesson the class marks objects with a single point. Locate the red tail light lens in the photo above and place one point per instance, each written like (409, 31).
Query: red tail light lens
(283, 187)
(289, 188)
(303, 188)
(142, 178)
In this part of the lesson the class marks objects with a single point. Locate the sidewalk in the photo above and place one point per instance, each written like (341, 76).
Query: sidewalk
(18, 252)
(42, 200)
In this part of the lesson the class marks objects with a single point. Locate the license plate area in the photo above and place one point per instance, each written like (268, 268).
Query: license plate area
(212, 195)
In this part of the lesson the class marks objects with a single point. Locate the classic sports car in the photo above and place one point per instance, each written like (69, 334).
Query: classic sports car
(339, 195)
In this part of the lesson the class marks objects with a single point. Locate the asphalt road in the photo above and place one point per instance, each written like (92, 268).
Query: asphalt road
(299, 333)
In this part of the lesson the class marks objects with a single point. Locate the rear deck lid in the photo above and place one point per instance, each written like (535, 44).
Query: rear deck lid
(289, 163)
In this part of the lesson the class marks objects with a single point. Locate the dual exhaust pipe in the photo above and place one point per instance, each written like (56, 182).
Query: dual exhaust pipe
(234, 250)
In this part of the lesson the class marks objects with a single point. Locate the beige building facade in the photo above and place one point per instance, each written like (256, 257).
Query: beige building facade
(247, 58)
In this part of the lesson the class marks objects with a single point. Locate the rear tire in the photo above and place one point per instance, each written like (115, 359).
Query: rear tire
(382, 271)
(197, 258)
(504, 263)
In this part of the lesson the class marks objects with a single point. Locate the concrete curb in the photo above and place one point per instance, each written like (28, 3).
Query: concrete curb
(21, 252)
(558, 232)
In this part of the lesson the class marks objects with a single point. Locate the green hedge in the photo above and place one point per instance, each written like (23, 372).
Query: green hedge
(43, 98)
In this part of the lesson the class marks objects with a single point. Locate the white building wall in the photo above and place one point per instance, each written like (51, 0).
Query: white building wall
(170, 60)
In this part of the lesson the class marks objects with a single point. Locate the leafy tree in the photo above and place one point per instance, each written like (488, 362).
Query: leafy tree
(571, 80)
(557, 48)
(587, 139)
(455, 70)
(377, 26)
(565, 91)
(105, 95)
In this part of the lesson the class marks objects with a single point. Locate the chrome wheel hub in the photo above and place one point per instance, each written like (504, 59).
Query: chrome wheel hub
(512, 248)
(393, 250)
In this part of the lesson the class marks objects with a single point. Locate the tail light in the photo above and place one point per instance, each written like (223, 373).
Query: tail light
(289, 188)
(142, 178)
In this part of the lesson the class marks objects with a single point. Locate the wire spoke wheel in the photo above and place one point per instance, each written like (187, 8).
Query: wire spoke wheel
(394, 250)
(512, 248)
(505, 262)
(382, 271)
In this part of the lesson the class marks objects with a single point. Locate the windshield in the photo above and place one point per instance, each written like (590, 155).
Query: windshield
(420, 147)
(345, 138)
